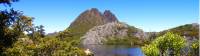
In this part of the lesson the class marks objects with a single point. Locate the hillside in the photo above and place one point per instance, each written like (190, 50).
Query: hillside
(189, 31)
(89, 19)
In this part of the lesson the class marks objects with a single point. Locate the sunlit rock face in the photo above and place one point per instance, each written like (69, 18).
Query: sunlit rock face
(100, 33)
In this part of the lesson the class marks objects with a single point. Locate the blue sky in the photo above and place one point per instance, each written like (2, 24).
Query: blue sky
(149, 15)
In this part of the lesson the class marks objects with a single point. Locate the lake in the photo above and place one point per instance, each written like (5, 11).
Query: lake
(114, 50)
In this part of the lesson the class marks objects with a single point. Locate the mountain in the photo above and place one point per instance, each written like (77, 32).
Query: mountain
(95, 27)
(99, 33)
(90, 18)
(109, 17)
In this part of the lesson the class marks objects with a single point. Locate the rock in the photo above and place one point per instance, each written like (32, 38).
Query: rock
(98, 34)
(109, 17)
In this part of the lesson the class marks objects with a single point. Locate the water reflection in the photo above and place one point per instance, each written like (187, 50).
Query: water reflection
(114, 50)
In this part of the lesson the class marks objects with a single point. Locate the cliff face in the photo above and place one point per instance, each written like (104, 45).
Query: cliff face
(98, 34)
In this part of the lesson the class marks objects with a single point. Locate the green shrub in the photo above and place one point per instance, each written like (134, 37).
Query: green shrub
(150, 50)
(195, 48)
(168, 44)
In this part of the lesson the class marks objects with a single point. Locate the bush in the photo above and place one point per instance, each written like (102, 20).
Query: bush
(168, 44)
(150, 50)
(195, 48)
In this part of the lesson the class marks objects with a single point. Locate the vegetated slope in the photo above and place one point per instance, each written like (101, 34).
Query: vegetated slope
(99, 34)
(184, 38)
(188, 30)
(89, 19)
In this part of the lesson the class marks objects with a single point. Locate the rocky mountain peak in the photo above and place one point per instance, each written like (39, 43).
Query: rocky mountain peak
(109, 16)
(90, 18)
(94, 11)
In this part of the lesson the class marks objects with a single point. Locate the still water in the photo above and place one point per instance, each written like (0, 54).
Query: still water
(115, 50)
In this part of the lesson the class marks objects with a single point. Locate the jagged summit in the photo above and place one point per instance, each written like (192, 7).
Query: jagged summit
(90, 18)
(94, 10)
(109, 16)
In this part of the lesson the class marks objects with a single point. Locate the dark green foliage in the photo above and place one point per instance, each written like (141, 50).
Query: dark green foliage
(9, 34)
(13, 41)
(40, 30)
(36, 31)
(23, 24)
(13, 25)
(8, 2)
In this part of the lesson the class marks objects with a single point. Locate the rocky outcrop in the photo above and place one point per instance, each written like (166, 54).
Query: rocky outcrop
(98, 34)
(109, 17)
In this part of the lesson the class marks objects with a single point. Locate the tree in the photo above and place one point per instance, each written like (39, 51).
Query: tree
(40, 30)
(8, 2)
(7, 19)
(23, 24)
(12, 25)
(36, 32)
